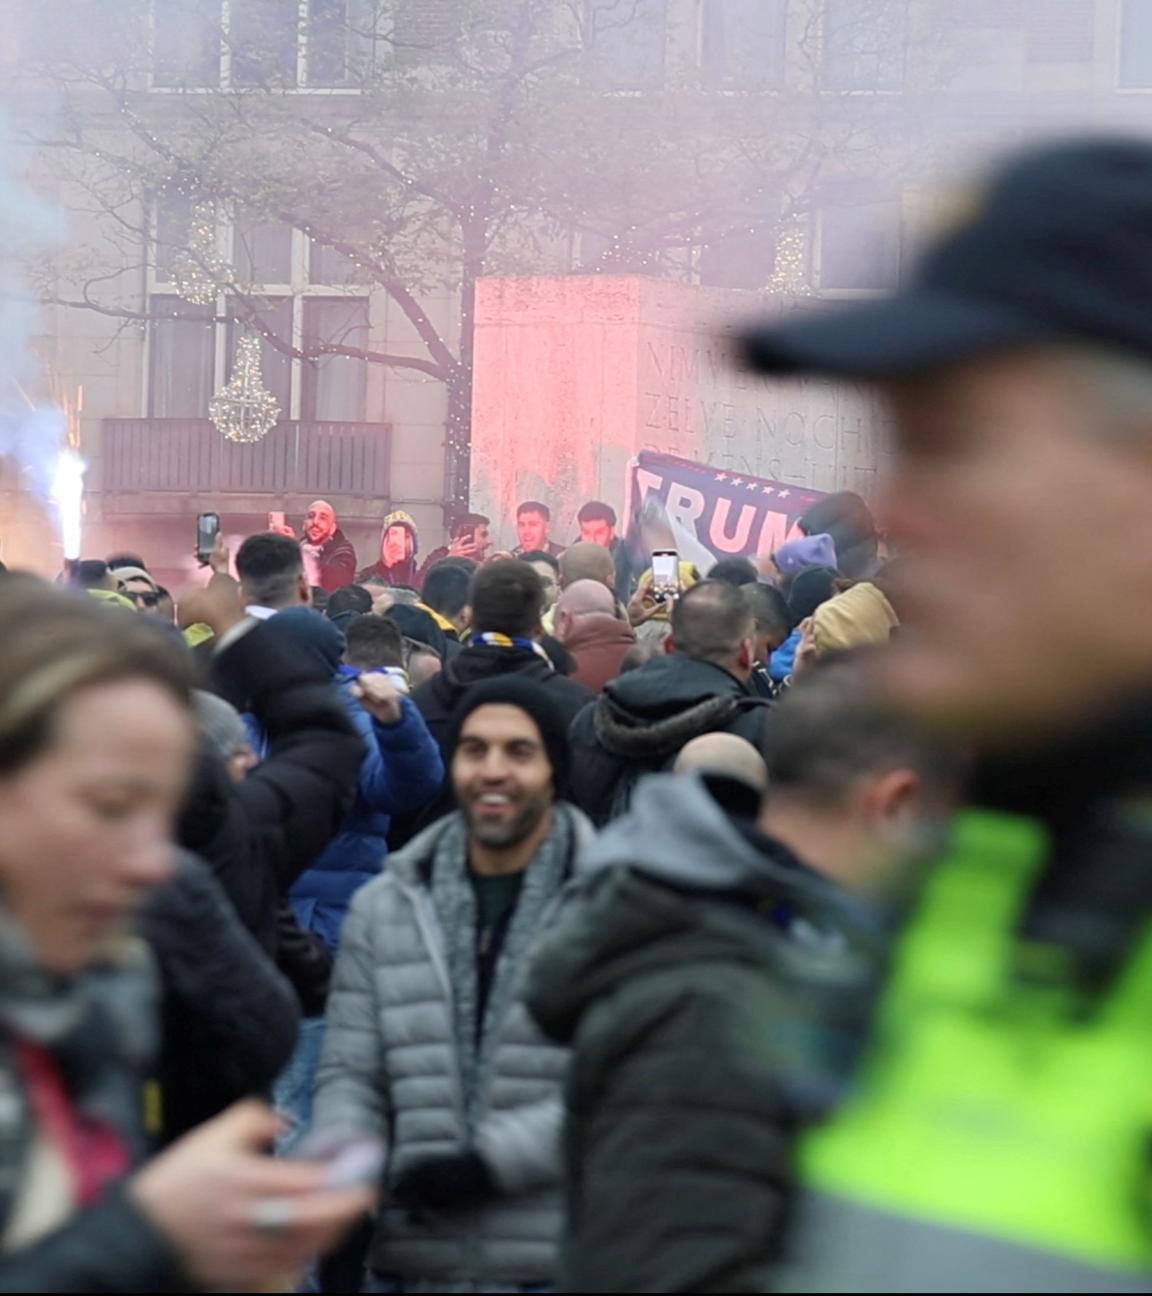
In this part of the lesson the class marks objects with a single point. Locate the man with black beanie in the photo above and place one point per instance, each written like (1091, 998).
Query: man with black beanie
(507, 605)
(429, 1046)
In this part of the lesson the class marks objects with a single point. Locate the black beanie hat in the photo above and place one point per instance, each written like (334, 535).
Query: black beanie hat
(534, 700)
(811, 587)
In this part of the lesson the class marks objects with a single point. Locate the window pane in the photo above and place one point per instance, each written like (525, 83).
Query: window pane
(327, 266)
(185, 42)
(275, 366)
(860, 246)
(626, 43)
(263, 36)
(263, 253)
(1136, 44)
(335, 387)
(864, 44)
(173, 212)
(183, 344)
(340, 40)
(743, 44)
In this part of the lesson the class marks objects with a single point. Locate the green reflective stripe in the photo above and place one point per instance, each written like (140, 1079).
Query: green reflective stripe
(983, 1104)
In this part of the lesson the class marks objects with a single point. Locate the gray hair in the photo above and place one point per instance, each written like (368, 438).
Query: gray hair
(220, 723)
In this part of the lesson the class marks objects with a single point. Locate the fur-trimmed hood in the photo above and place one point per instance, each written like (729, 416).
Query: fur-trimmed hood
(649, 714)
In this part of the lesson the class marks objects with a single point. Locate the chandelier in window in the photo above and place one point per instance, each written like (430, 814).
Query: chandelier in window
(790, 277)
(197, 269)
(244, 410)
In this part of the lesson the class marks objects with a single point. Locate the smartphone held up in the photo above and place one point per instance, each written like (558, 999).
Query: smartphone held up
(665, 575)
(207, 529)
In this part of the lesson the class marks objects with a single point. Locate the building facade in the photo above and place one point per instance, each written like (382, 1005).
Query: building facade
(370, 436)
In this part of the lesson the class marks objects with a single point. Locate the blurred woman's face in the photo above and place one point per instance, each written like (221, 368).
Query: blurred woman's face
(86, 825)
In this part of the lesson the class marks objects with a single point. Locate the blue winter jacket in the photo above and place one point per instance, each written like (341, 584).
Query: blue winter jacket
(402, 772)
(784, 658)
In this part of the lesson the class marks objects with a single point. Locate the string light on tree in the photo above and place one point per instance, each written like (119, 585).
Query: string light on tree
(244, 410)
(790, 277)
(197, 270)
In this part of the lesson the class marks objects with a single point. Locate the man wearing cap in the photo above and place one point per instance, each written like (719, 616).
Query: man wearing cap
(997, 1137)
(399, 545)
(690, 967)
(136, 585)
(429, 1046)
(328, 553)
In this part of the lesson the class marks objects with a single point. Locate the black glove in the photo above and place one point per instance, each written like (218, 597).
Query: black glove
(445, 1183)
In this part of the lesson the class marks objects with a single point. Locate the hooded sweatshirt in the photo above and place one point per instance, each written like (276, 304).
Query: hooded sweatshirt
(437, 697)
(704, 1024)
(407, 571)
(645, 717)
(597, 644)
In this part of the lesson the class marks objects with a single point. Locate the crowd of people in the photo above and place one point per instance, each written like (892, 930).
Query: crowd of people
(505, 922)
(331, 564)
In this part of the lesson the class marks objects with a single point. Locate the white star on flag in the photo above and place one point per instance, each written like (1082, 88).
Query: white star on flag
(737, 481)
(768, 490)
(721, 476)
(785, 493)
(750, 485)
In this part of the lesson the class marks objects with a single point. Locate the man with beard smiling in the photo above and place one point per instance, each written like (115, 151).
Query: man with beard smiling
(328, 553)
(429, 1047)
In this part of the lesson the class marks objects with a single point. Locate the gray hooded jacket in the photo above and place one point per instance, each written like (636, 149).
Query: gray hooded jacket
(394, 1064)
(702, 1030)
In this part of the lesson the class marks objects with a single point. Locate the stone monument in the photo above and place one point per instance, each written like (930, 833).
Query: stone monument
(575, 375)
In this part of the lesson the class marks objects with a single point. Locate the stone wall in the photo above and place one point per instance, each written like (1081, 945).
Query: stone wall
(575, 375)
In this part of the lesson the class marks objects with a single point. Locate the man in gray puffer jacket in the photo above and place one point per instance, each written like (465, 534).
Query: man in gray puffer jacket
(429, 1046)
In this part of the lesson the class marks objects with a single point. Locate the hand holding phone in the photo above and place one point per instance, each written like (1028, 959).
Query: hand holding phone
(665, 575)
(207, 529)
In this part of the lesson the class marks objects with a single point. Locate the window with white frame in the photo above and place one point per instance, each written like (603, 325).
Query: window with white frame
(858, 244)
(297, 297)
(864, 44)
(1135, 62)
(742, 44)
(247, 44)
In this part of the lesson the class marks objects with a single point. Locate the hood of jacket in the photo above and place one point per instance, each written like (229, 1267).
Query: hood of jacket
(650, 713)
(485, 661)
(678, 833)
(620, 926)
(599, 630)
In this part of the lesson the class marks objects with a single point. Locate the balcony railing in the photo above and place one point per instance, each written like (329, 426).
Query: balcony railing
(190, 457)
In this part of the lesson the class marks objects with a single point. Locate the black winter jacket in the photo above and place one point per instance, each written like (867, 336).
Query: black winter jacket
(705, 1028)
(641, 721)
(438, 697)
(258, 836)
(110, 1247)
(229, 1018)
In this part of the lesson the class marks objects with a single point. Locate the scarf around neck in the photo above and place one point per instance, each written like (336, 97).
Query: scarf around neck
(455, 904)
(494, 639)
